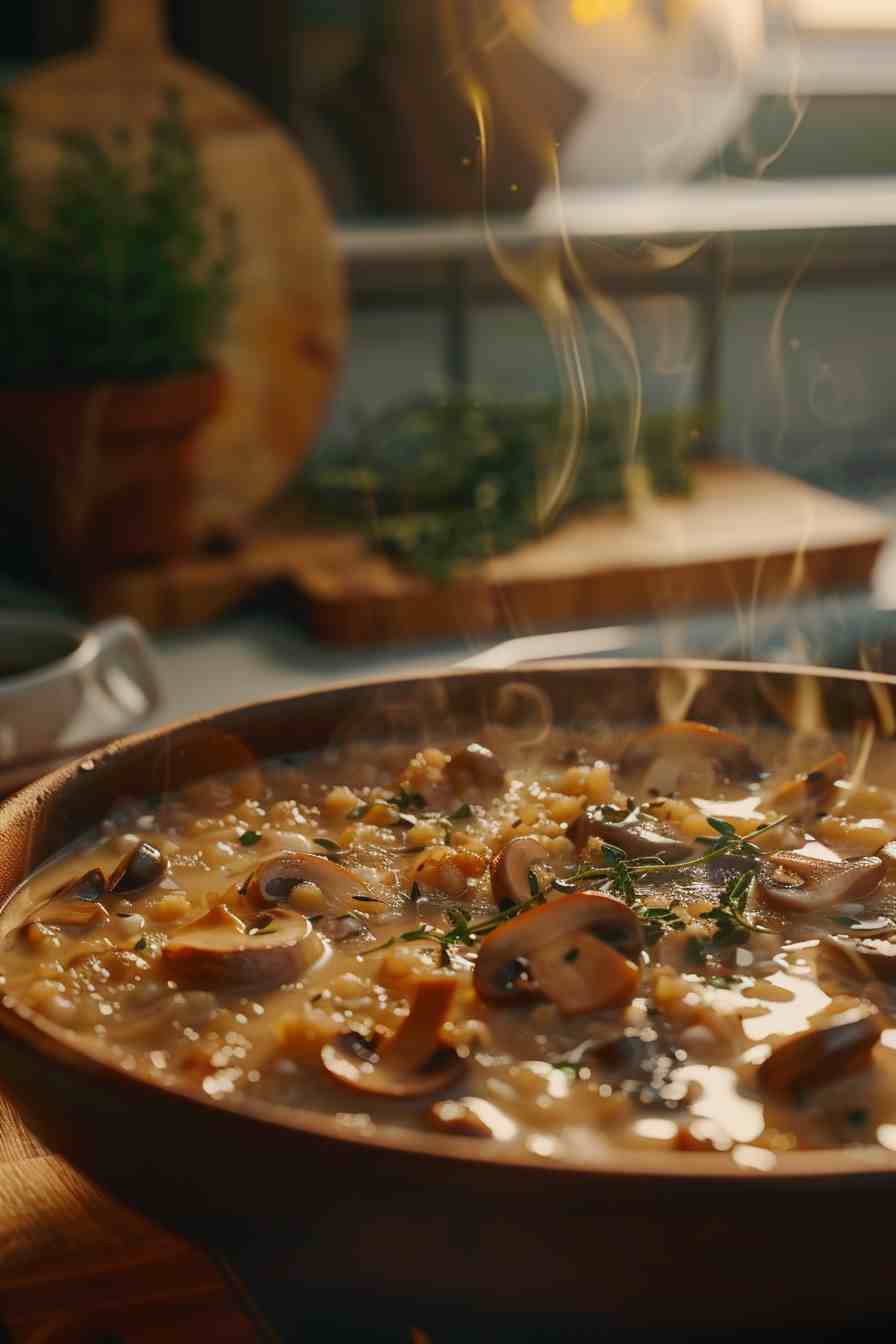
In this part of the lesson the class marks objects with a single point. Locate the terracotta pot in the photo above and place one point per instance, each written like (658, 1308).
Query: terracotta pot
(282, 348)
(351, 1222)
(104, 476)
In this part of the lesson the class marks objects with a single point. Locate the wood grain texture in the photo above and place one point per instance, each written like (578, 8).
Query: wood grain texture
(743, 530)
(77, 1266)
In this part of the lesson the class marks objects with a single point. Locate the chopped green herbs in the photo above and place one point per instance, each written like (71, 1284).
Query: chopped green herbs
(460, 813)
(534, 888)
(250, 838)
(326, 843)
(571, 955)
(140, 945)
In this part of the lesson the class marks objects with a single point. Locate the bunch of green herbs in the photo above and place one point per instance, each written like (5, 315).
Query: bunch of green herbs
(124, 271)
(440, 483)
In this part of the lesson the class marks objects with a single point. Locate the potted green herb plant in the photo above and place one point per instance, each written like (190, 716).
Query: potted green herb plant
(116, 281)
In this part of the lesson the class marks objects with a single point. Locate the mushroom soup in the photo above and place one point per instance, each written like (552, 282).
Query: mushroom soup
(672, 938)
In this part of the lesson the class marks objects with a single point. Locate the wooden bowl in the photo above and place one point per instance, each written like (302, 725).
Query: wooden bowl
(639, 1237)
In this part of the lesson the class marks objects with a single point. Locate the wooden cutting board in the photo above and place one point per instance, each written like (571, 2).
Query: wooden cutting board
(744, 531)
(76, 1267)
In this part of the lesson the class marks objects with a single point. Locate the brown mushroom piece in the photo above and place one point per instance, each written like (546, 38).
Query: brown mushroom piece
(221, 951)
(791, 881)
(632, 833)
(474, 767)
(871, 958)
(687, 757)
(75, 905)
(472, 1118)
(822, 1054)
(803, 797)
(578, 951)
(139, 870)
(274, 883)
(413, 1061)
(510, 869)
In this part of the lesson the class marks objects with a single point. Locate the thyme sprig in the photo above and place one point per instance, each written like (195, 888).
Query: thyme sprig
(729, 915)
(461, 931)
(728, 842)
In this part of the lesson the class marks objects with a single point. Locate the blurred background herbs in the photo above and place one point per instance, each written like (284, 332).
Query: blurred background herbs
(123, 273)
(437, 482)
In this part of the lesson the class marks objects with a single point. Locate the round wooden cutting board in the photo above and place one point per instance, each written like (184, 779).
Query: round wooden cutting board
(283, 348)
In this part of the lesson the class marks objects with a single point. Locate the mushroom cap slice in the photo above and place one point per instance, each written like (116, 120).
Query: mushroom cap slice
(273, 884)
(414, 1061)
(822, 1054)
(75, 905)
(875, 958)
(565, 951)
(678, 757)
(792, 881)
(636, 838)
(475, 766)
(510, 870)
(806, 794)
(138, 871)
(471, 1117)
(221, 951)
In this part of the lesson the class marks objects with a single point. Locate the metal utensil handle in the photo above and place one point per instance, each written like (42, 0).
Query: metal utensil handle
(541, 648)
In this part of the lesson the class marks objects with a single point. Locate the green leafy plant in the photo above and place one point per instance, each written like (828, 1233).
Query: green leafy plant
(438, 483)
(125, 272)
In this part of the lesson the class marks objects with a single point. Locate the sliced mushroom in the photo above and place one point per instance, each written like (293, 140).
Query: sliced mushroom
(275, 883)
(870, 958)
(510, 869)
(566, 951)
(474, 767)
(822, 1054)
(471, 1117)
(220, 951)
(687, 757)
(75, 905)
(803, 797)
(412, 1062)
(632, 834)
(792, 881)
(143, 868)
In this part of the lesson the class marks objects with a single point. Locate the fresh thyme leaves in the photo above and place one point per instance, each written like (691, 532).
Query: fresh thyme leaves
(657, 920)
(360, 811)
(407, 802)
(460, 813)
(140, 945)
(461, 930)
(729, 916)
(728, 843)
(326, 843)
(732, 925)
(566, 1066)
(250, 838)
(571, 955)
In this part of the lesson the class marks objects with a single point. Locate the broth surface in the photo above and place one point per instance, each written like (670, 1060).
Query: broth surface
(350, 932)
